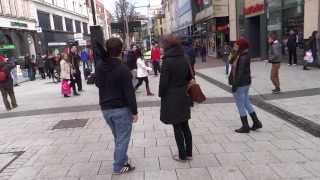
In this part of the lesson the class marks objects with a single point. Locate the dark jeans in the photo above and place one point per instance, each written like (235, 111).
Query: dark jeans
(156, 67)
(140, 81)
(78, 80)
(120, 122)
(204, 58)
(293, 55)
(5, 92)
(183, 136)
(42, 73)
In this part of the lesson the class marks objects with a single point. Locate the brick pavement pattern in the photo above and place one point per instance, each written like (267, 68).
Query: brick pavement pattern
(279, 151)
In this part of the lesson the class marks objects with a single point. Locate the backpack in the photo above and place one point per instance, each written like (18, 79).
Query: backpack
(3, 75)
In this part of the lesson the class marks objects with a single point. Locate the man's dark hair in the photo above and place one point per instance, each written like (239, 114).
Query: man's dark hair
(114, 47)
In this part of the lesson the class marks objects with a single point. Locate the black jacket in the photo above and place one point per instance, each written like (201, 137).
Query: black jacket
(114, 81)
(292, 42)
(243, 72)
(175, 76)
(132, 60)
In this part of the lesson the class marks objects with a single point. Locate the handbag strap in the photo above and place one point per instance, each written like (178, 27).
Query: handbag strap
(189, 65)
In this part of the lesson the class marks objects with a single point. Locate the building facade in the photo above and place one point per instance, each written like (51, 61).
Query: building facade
(255, 19)
(17, 28)
(108, 24)
(60, 21)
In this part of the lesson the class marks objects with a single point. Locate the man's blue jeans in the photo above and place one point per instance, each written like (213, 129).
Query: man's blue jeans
(120, 122)
(243, 100)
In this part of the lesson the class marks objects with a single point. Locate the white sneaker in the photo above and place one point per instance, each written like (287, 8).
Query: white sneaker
(294, 64)
(289, 64)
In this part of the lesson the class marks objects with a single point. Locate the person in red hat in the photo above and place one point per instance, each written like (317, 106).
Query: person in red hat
(240, 79)
(6, 83)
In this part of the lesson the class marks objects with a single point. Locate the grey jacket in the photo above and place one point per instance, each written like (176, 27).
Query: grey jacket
(275, 52)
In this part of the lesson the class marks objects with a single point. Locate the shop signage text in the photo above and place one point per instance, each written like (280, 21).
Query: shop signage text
(254, 7)
(7, 46)
(19, 24)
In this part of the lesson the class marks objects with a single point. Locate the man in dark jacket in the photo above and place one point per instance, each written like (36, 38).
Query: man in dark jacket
(75, 60)
(117, 102)
(6, 83)
(190, 52)
(292, 48)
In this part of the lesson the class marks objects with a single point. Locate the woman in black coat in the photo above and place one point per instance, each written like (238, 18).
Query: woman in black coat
(175, 103)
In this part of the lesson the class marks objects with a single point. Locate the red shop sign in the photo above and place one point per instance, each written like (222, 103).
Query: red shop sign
(258, 8)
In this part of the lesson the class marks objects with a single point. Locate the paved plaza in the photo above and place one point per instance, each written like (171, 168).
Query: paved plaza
(52, 138)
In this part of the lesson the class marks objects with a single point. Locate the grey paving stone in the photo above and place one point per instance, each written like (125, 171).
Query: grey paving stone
(290, 171)
(262, 146)
(84, 169)
(260, 172)
(236, 147)
(262, 136)
(203, 161)
(99, 177)
(92, 147)
(289, 156)
(193, 173)
(146, 164)
(286, 144)
(264, 157)
(313, 167)
(106, 168)
(26, 173)
(77, 157)
(167, 163)
(129, 176)
(226, 173)
(159, 151)
(310, 154)
(101, 156)
(160, 175)
(210, 148)
(230, 159)
(236, 138)
(54, 171)
(150, 142)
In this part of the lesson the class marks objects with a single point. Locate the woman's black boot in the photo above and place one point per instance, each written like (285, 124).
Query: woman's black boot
(256, 123)
(245, 126)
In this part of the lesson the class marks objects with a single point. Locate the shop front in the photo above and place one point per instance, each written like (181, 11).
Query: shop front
(256, 19)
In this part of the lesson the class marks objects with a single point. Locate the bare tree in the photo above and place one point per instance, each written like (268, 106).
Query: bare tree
(124, 8)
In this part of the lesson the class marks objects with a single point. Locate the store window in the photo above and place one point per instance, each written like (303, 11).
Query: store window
(69, 25)
(57, 22)
(85, 28)
(44, 20)
(241, 18)
(78, 26)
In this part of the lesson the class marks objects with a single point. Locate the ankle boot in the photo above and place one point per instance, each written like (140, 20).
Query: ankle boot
(149, 93)
(245, 126)
(256, 123)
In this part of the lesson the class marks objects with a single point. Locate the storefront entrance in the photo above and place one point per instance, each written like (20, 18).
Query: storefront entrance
(254, 31)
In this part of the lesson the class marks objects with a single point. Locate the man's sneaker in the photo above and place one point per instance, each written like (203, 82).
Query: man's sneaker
(289, 64)
(126, 169)
(294, 64)
(276, 91)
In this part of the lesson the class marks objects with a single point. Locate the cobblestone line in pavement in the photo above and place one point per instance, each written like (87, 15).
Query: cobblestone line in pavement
(260, 101)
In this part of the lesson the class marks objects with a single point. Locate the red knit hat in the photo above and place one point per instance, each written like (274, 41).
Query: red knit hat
(2, 58)
(243, 44)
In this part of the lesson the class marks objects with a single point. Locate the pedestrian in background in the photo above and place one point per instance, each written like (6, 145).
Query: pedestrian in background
(275, 59)
(203, 52)
(6, 83)
(117, 102)
(57, 69)
(14, 74)
(155, 58)
(175, 103)
(75, 61)
(41, 65)
(66, 77)
(132, 63)
(240, 79)
(142, 73)
(292, 48)
(190, 53)
(226, 51)
(314, 47)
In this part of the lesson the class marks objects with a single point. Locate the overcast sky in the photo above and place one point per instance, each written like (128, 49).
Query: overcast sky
(109, 4)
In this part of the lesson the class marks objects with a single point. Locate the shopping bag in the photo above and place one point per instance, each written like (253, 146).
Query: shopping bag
(65, 88)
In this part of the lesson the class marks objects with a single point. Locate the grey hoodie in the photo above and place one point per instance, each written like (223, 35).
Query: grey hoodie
(275, 52)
